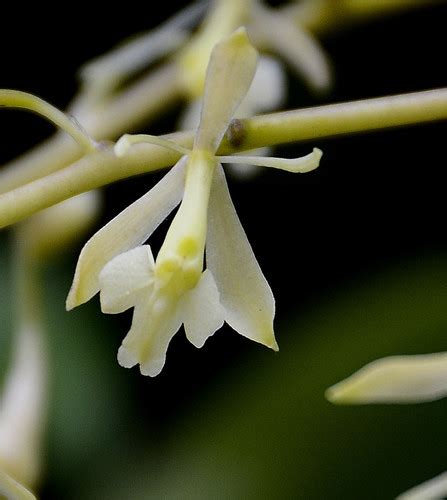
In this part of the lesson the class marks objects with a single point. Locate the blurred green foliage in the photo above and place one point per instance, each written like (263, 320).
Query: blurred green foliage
(262, 429)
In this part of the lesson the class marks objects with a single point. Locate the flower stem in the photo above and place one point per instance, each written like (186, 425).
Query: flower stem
(23, 100)
(104, 167)
(340, 119)
(137, 104)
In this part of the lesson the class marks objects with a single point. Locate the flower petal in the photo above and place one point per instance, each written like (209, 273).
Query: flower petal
(296, 45)
(203, 313)
(10, 488)
(230, 72)
(395, 379)
(127, 230)
(301, 165)
(267, 91)
(103, 74)
(124, 277)
(435, 488)
(244, 292)
(155, 322)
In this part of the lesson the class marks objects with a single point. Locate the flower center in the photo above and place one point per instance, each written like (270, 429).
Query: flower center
(180, 261)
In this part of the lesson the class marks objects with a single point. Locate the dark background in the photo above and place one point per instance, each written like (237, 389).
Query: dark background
(360, 241)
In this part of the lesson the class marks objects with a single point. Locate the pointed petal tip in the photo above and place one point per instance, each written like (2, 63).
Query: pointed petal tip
(269, 340)
(273, 344)
(72, 301)
(240, 35)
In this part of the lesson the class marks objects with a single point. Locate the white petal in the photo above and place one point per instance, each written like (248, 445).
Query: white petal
(203, 313)
(395, 379)
(295, 165)
(244, 292)
(229, 75)
(297, 46)
(434, 489)
(268, 89)
(127, 230)
(154, 323)
(124, 277)
(101, 75)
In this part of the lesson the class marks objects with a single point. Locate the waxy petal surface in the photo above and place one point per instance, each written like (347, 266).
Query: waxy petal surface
(395, 379)
(127, 230)
(203, 313)
(244, 292)
(230, 72)
(124, 278)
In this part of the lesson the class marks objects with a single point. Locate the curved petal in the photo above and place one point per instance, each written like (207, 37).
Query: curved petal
(244, 292)
(229, 75)
(10, 488)
(124, 278)
(302, 165)
(296, 45)
(395, 379)
(154, 323)
(268, 89)
(203, 313)
(127, 230)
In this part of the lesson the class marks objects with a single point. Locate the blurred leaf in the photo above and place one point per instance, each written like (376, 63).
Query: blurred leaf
(267, 431)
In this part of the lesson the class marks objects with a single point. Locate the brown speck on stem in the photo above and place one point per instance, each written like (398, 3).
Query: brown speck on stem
(236, 133)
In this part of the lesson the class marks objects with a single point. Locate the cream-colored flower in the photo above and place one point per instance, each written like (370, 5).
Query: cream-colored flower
(175, 290)
(395, 379)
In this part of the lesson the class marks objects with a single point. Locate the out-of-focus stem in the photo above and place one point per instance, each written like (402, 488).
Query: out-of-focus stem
(104, 167)
(23, 402)
(137, 104)
(322, 16)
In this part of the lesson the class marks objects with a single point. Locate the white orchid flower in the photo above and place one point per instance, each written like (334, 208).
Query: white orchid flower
(395, 379)
(174, 290)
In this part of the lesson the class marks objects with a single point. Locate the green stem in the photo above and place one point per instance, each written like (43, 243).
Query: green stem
(340, 119)
(23, 405)
(136, 105)
(104, 167)
(323, 16)
(29, 102)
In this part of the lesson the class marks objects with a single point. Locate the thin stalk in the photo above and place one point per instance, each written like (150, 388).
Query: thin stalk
(136, 105)
(104, 167)
(22, 100)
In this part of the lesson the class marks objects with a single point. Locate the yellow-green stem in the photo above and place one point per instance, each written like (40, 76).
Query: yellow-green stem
(104, 167)
(28, 102)
(123, 113)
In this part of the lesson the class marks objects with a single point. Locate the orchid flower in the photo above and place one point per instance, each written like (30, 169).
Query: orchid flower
(174, 289)
(395, 379)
